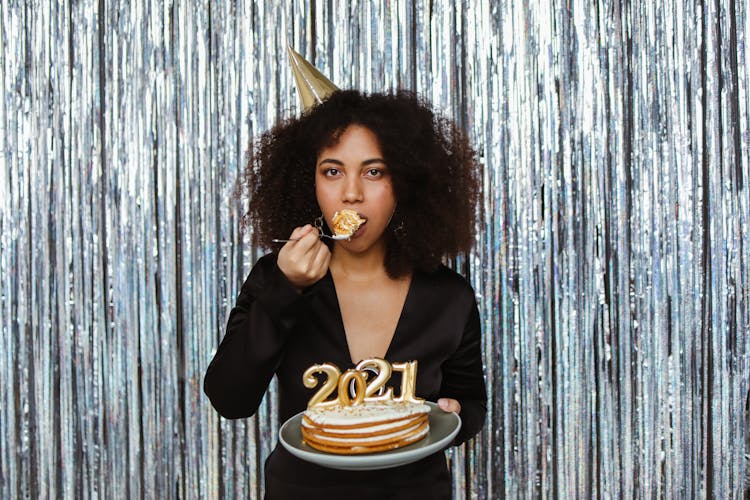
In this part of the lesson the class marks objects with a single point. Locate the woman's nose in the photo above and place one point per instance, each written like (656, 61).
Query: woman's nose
(353, 191)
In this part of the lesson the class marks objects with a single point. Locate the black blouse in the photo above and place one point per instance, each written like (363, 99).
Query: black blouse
(275, 329)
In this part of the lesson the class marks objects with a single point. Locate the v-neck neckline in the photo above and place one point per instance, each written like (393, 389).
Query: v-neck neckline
(399, 324)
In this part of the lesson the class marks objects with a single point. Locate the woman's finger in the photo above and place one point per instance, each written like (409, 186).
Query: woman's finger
(300, 231)
(299, 242)
(449, 405)
(297, 234)
(308, 243)
(322, 259)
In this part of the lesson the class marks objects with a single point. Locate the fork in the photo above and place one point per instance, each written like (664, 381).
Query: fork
(322, 235)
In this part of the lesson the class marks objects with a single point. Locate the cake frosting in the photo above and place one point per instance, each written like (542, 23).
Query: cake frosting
(365, 428)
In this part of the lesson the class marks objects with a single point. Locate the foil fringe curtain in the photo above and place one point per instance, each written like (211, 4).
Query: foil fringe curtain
(612, 266)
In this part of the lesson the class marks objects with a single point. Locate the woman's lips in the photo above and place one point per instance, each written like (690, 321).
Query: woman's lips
(360, 229)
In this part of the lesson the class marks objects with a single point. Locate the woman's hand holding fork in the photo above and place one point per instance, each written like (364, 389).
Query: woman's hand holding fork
(304, 259)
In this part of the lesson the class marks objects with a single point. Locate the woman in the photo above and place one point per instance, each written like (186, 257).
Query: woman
(383, 293)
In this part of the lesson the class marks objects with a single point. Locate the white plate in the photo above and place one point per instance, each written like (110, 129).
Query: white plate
(443, 428)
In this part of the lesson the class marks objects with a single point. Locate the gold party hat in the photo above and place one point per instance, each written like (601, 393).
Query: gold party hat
(313, 87)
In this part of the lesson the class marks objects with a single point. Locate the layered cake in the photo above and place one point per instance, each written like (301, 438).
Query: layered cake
(346, 222)
(368, 427)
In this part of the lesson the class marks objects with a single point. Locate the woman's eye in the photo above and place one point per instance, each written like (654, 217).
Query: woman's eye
(374, 172)
(331, 171)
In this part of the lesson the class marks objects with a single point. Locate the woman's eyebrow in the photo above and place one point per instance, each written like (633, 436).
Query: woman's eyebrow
(369, 161)
(331, 160)
(372, 160)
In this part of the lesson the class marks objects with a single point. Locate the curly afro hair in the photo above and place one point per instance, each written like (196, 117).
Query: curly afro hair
(433, 168)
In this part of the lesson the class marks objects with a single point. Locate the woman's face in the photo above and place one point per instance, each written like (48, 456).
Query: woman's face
(352, 174)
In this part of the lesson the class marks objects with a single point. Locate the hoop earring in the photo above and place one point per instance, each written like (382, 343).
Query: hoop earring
(399, 231)
(318, 223)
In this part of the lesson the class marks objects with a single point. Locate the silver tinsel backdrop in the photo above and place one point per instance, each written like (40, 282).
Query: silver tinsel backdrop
(612, 265)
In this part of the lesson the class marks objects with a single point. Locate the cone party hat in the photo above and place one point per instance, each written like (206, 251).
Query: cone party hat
(313, 87)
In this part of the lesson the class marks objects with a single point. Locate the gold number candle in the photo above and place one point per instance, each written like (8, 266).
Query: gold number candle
(384, 374)
(408, 382)
(359, 388)
(332, 373)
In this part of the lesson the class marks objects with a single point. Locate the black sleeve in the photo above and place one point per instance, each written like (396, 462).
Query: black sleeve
(463, 379)
(252, 349)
